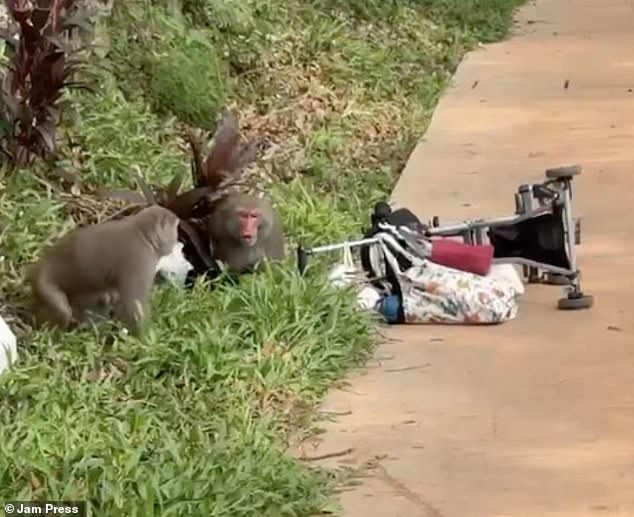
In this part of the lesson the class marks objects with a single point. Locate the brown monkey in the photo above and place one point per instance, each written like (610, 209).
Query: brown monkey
(244, 231)
(102, 267)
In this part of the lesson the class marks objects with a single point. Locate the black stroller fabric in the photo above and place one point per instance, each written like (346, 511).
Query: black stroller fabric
(401, 217)
(541, 239)
(199, 268)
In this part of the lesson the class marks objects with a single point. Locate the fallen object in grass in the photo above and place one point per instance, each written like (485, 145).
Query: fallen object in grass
(369, 298)
(345, 273)
(8, 346)
(174, 267)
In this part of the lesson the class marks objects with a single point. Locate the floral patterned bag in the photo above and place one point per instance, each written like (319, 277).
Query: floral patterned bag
(432, 293)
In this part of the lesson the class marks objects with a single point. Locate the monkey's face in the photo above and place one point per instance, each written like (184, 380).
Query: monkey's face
(250, 221)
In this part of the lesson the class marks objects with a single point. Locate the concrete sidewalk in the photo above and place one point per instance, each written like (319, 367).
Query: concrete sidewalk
(533, 417)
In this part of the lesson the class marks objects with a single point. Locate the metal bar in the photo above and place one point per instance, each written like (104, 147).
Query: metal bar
(528, 203)
(460, 228)
(570, 231)
(526, 193)
(341, 245)
(533, 263)
(480, 236)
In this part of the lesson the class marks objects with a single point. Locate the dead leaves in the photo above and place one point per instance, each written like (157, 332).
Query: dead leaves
(313, 104)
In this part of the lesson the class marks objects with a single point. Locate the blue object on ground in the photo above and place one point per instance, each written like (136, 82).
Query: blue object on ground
(389, 307)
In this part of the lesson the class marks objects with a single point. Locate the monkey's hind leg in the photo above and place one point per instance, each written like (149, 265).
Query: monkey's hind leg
(51, 305)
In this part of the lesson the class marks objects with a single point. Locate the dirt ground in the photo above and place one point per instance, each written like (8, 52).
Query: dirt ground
(533, 417)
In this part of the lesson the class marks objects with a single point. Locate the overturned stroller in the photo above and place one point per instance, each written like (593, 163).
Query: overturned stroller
(541, 237)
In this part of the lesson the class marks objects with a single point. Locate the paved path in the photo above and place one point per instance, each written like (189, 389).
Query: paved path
(534, 417)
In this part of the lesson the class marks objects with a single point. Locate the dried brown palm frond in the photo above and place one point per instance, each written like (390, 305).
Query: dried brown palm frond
(216, 172)
(91, 208)
(227, 158)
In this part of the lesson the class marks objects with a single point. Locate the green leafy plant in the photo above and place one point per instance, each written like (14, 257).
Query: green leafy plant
(41, 67)
(187, 65)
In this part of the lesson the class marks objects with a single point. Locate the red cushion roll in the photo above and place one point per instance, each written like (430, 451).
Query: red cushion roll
(464, 257)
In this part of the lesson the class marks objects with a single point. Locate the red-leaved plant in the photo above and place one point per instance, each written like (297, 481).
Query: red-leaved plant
(41, 66)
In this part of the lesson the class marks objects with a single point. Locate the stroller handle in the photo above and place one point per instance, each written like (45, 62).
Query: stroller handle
(304, 253)
(302, 259)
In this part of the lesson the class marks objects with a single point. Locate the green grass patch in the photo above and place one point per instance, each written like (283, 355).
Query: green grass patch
(122, 133)
(197, 421)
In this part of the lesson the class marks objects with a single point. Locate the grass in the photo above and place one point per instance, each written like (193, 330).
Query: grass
(197, 421)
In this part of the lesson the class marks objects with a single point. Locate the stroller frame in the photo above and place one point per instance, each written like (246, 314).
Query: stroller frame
(531, 200)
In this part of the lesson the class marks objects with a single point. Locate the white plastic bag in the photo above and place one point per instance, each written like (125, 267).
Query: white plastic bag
(507, 272)
(174, 267)
(8, 346)
(369, 298)
(345, 273)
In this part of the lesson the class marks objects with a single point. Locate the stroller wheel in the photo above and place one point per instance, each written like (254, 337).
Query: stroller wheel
(555, 279)
(575, 302)
(567, 171)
